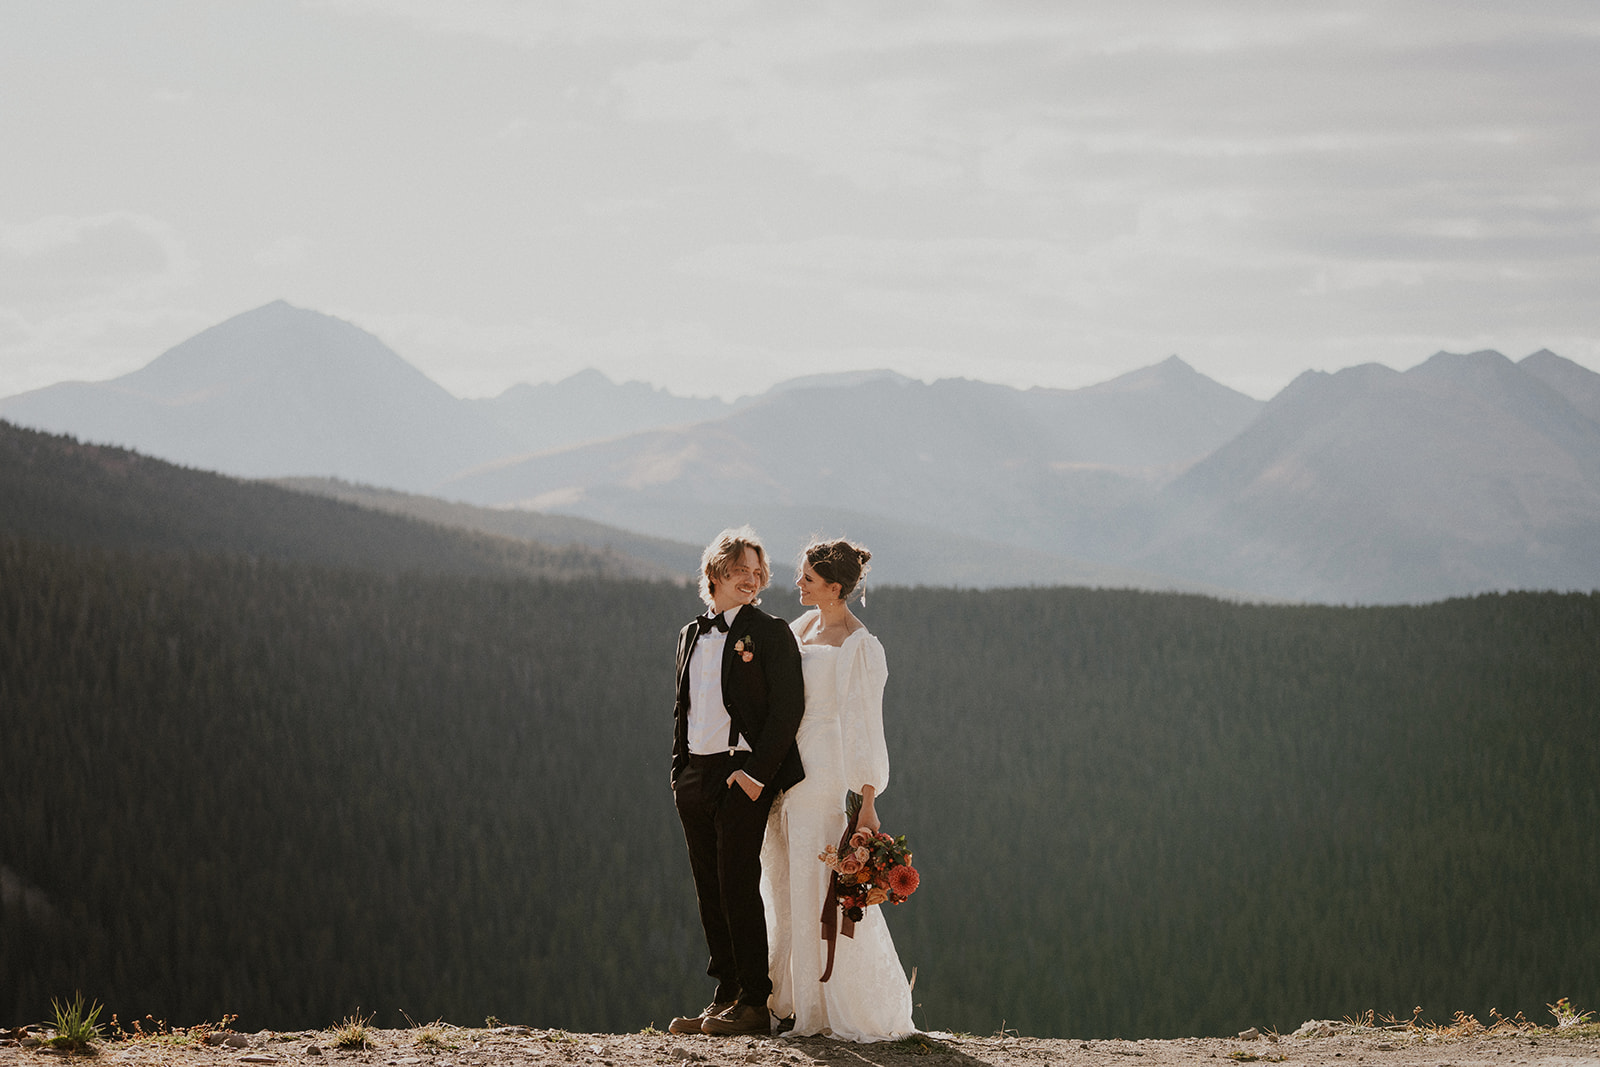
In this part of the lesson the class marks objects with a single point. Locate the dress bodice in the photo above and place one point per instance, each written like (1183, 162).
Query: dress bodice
(841, 734)
(820, 665)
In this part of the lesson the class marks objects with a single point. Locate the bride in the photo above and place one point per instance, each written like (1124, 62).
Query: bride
(841, 745)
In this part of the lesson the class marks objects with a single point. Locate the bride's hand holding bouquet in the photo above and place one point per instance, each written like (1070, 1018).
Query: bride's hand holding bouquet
(873, 868)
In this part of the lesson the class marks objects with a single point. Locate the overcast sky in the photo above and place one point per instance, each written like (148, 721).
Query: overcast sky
(714, 196)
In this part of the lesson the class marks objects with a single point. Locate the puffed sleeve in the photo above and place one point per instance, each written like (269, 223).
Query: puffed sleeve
(863, 671)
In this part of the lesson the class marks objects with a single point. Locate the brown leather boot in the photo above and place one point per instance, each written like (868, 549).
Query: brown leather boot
(739, 1019)
(691, 1024)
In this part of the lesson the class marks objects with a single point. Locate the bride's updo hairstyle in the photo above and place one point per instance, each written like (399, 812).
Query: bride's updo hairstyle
(839, 561)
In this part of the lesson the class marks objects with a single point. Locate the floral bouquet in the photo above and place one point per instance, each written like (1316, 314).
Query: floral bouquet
(870, 868)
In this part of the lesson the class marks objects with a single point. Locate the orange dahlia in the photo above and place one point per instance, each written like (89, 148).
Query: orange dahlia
(903, 880)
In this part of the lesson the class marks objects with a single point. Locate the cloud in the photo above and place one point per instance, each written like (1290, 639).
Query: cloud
(927, 99)
(1012, 182)
(87, 297)
(62, 259)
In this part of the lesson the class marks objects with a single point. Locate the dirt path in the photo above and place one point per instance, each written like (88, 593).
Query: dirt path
(516, 1046)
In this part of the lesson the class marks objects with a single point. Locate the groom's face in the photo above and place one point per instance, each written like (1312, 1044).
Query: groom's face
(740, 584)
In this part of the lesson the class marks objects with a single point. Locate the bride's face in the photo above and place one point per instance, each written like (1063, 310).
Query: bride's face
(813, 590)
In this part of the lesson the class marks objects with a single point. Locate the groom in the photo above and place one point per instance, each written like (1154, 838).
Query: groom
(740, 698)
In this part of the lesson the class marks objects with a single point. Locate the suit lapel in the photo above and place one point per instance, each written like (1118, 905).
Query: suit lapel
(727, 647)
(736, 709)
(688, 638)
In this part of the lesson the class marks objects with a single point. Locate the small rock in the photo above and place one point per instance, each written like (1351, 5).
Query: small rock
(236, 1041)
(258, 1057)
(313, 1050)
(1387, 1048)
(1251, 1034)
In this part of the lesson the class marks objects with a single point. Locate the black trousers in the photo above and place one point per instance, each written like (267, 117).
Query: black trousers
(724, 829)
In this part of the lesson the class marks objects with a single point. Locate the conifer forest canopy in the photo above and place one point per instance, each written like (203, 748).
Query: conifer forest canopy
(290, 791)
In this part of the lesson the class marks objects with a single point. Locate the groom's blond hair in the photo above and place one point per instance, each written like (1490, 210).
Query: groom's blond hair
(721, 553)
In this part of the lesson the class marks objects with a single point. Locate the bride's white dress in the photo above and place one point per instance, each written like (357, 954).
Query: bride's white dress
(841, 744)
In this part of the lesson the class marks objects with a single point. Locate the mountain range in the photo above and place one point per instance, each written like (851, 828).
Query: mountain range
(1466, 473)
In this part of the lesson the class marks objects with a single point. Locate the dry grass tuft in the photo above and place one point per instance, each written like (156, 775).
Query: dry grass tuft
(354, 1033)
(1465, 1024)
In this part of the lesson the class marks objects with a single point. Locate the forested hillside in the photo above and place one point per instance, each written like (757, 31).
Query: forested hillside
(673, 559)
(55, 489)
(288, 791)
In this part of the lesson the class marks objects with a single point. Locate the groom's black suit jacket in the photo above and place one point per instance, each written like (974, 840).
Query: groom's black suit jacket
(765, 696)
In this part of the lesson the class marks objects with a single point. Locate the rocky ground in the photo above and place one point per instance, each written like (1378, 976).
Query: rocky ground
(1314, 1045)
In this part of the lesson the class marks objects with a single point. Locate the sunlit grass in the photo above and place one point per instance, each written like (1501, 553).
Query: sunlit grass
(354, 1033)
(1464, 1024)
(77, 1027)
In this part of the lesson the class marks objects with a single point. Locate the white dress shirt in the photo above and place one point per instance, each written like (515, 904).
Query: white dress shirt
(709, 721)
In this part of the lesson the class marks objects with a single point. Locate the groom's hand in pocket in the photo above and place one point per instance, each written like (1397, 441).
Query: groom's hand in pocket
(751, 787)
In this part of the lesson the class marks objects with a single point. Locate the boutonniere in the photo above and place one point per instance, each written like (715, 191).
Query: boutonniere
(746, 648)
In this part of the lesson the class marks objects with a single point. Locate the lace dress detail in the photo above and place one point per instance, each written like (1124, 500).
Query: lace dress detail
(841, 744)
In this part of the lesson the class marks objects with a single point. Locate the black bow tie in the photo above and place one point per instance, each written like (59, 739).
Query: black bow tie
(706, 622)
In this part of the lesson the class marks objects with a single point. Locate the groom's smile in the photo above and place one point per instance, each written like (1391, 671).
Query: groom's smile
(741, 583)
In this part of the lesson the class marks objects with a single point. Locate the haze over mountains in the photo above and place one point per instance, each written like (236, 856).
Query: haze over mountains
(1466, 473)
